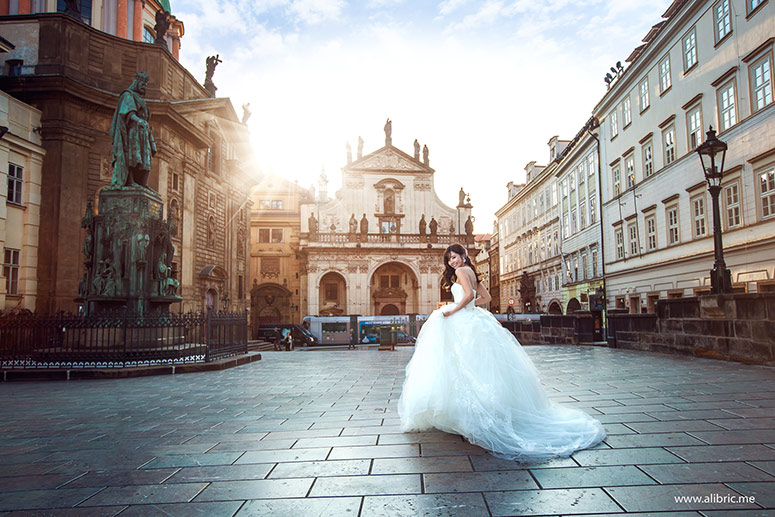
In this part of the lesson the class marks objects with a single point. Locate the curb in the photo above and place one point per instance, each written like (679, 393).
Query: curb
(61, 374)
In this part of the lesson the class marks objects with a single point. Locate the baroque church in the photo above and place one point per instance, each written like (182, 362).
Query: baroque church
(376, 247)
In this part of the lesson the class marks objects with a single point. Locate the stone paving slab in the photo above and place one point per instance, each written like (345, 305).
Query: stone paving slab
(317, 433)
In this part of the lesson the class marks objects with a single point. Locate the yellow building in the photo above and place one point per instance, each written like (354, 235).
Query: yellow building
(21, 160)
(274, 251)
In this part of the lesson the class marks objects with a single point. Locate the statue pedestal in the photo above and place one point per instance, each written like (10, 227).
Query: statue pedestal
(128, 255)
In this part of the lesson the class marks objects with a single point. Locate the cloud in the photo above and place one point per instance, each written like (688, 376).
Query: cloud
(448, 6)
(485, 97)
(313, 12)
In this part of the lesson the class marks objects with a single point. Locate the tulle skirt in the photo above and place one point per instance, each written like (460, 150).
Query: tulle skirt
(470, 376)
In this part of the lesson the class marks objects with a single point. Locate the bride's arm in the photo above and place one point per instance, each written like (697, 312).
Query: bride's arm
(484, 294)
(466, 278)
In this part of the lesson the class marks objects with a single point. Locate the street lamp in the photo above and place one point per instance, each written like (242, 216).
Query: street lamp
(225, 301)
(711, 152)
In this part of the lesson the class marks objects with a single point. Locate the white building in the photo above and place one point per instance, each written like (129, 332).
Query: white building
(529, 240)
(579, 202)
(708, 63)
(376, 247)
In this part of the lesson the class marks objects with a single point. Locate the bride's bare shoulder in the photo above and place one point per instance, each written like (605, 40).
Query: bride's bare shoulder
(465, 270)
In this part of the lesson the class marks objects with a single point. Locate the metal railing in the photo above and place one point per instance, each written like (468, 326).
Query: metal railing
(119, 341)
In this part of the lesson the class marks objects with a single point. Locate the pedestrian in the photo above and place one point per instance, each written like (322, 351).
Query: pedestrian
(470, 376)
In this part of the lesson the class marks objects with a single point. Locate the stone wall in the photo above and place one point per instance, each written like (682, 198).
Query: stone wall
(736, 327)
(551, 329)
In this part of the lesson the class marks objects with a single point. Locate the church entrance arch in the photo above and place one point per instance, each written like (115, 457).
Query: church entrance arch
(269, 303)
(332, 295)
(394, 287)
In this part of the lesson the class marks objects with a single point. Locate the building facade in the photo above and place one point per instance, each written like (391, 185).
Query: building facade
(275, 266)
(197, 169)
(495, 277)
(579, 202)
(529, 239)
(376, 247)
(708, 63)
(482, 261)
(130, 19)
(21, 160)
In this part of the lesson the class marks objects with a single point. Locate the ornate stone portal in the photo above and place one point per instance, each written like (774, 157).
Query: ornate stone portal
(128, 246)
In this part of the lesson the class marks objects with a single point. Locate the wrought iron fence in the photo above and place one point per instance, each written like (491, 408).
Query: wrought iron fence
(119, 341)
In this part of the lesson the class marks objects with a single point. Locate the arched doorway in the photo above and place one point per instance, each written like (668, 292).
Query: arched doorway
(389, 310)
(573, 306)
(394, 284)
(332, 295)
(269, 303)
(555, 308)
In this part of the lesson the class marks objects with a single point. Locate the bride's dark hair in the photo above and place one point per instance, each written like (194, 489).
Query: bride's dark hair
(449, 272)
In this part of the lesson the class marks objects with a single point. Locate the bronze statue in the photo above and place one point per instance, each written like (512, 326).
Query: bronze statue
(162, 24)
(353, 224)
(433, 225)
(212, 62)
(72, 8)
(313, 224)
(422, 225)
(364, 225)
(133, 143)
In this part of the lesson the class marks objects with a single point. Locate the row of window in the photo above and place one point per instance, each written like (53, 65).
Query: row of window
(760, 80)
(731, 207)
(761, 72)
(578, 268)
(270, 204)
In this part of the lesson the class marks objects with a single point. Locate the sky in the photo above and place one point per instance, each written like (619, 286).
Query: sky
(484, 84)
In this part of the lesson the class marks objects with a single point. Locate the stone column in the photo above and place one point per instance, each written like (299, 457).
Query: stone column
(176, 47)
(121, 19)
(137, 26)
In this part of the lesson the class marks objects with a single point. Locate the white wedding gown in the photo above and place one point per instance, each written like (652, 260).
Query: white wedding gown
(470, 376)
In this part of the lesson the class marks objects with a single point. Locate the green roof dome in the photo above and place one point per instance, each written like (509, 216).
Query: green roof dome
(165, 4)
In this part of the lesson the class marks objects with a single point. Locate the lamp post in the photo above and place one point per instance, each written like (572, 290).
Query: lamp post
(225, 302)
(293, 308)
(711, 152)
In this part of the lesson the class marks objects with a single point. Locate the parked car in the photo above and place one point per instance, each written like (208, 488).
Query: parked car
(273, 331)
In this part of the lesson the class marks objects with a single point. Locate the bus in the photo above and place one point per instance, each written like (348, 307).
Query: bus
(339, 330)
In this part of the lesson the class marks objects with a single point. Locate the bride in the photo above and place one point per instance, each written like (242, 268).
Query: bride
(470, 376)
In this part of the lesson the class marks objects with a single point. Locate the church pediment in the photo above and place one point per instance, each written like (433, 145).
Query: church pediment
(388, 159)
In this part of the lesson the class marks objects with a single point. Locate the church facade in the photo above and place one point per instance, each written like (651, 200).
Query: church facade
(376, 247)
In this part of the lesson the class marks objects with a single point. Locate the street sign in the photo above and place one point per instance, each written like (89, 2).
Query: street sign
(511, 301)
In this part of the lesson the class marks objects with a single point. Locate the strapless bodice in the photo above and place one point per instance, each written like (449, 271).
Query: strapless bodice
(457, 294)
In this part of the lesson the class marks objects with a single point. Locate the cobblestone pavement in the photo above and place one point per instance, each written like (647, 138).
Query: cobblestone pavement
(316, 433)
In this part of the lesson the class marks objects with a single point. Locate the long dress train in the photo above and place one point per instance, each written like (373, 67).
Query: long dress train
(470, 376)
